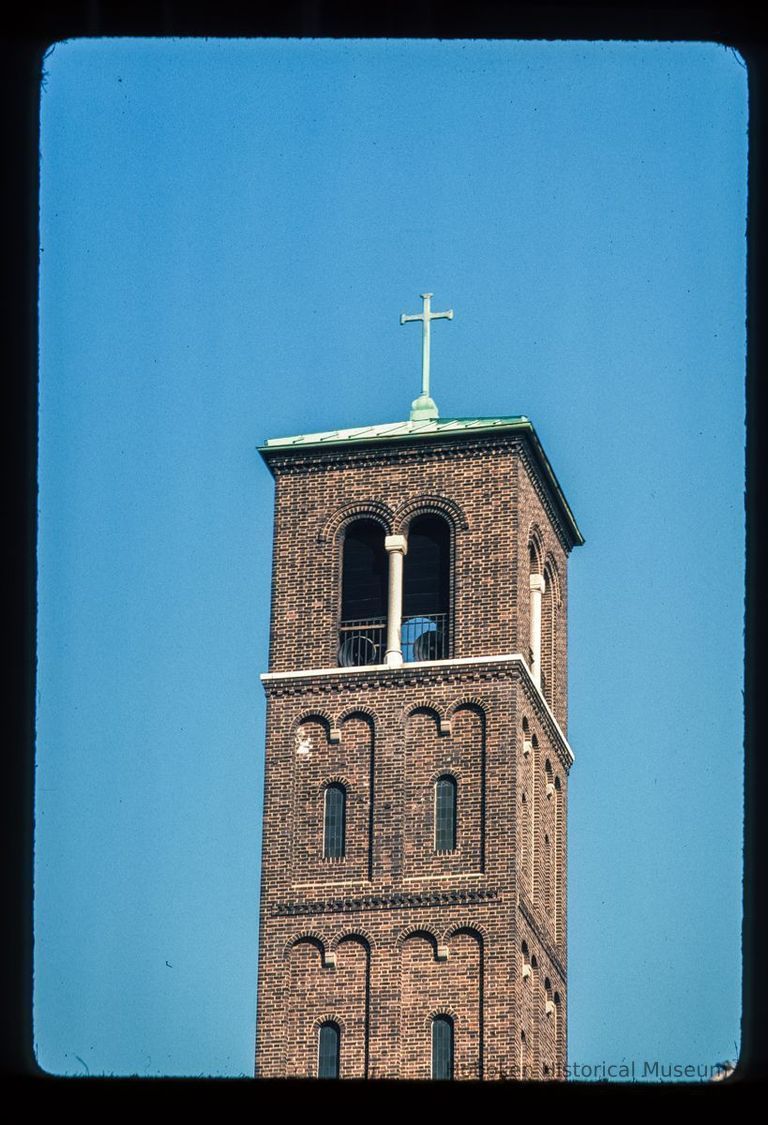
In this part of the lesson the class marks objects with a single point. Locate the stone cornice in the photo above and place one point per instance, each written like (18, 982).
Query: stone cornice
(541, 936)
(426, 673)
(385, 901)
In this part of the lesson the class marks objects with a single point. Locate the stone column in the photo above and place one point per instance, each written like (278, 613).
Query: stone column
(397, 548)
(537, 589)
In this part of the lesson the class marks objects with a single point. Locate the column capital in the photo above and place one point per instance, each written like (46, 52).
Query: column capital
(537, 582)
(396, 543)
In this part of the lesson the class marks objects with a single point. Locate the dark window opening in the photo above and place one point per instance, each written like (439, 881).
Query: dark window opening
(426, 590)
(364, 584)
(335, 818)
(328, 1053)
(442, 1047)
(363, 595)
(445, 814)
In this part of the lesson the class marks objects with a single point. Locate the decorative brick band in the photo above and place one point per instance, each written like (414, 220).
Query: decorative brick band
(385, 902)
(426, 674)
(358, 459)
(361, 457)
(541, 936)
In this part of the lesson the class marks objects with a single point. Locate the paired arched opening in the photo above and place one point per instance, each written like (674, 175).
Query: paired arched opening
(395, 593)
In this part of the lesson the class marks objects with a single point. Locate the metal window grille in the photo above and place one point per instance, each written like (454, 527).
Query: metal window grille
(362, 641)
(425, 637)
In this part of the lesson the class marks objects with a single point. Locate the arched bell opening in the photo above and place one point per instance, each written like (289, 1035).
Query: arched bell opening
(363, 626)
(426, 590)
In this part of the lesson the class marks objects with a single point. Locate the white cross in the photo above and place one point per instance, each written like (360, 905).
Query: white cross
(425, 317)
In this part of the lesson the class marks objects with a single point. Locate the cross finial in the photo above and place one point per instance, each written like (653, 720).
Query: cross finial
(424, 407)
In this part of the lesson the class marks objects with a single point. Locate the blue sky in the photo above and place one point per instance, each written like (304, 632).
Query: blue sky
(230, 231)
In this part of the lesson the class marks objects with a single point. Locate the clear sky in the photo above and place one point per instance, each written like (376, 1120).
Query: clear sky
(230, 231)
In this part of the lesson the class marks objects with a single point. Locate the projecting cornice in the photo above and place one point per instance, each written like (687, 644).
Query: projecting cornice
(424, 673)
(386, 901)
(450, 438)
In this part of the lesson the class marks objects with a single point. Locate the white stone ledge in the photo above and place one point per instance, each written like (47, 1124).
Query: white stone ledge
(366, 669)
(362, 670)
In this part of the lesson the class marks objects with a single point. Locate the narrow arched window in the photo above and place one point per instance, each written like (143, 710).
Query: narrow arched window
(329, 1049)
(442, 1047)
(548, 858)
(526, 973)
(549, 635)
(426, 590)
(559, 1037)
(535, 587)
(556, 858)
(362, 638)
(334, 821)
(445, 814)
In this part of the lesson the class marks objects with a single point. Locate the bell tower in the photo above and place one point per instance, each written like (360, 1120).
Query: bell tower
(413, 900)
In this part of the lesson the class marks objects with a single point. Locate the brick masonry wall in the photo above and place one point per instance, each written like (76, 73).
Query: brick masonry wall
(392, 934)
(379, 941)
(533, 518)
(492, 495)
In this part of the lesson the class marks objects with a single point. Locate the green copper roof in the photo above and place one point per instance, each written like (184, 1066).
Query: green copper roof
(415, 430)
(397, 430)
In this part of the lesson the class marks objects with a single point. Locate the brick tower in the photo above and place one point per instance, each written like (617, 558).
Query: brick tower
(413, 901)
